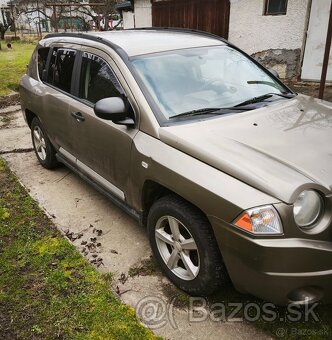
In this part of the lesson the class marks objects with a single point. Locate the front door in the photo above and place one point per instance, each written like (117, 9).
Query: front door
(102, 148)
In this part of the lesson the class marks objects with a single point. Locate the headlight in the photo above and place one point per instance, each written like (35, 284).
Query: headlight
(261, 220)
(307, 208)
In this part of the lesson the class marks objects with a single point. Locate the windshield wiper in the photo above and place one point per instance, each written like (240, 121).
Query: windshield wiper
(264, 97)
(284, 95)
(263, 82)
(239, 107)
(268, 83)
(207, 110)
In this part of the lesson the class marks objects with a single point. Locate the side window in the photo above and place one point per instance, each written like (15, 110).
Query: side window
(61, 68)
(97, 79)
(42, 59)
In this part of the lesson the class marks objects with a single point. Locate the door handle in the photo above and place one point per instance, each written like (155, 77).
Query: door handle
(78, 116)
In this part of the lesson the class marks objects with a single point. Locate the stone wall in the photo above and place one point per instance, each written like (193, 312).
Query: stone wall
(286, 62)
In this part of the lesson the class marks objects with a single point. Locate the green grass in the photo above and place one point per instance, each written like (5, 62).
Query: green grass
(47, 289)
(13, 65)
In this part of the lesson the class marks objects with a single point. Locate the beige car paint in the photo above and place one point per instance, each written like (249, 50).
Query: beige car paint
(223, 165)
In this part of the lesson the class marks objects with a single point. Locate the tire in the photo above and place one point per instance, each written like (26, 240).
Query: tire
(206, 272)
(43, 148)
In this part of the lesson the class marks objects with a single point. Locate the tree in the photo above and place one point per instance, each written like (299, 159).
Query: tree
(7, 21)
(54, 10)
(97, 12)
(36, 10)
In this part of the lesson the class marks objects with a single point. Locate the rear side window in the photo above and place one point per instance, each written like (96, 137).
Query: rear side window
(97, 79)
(42, 59)
(61, 68)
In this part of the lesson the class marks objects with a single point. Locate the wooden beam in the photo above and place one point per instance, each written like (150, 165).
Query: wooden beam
(74, 4)
(56, 28)
(326, 56)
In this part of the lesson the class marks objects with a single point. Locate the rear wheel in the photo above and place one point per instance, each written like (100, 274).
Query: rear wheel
(42, 145)
(183, 243)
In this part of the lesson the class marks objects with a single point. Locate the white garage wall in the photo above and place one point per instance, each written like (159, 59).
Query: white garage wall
(143, 13)
(128, 19)
(252, 31)
(315, 46)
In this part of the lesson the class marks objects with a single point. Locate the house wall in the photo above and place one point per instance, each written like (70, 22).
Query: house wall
(143, 13)
(128, 19)
(276, 41)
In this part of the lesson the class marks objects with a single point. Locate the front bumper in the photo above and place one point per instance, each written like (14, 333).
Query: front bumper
(280, 270)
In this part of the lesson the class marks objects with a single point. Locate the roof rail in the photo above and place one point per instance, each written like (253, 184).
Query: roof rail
(161, 29)
(121, 52)
(180, 30)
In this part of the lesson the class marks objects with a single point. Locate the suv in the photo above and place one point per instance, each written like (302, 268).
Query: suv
(229, 169)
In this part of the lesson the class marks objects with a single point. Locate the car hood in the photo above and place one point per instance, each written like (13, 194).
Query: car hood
(279, 149)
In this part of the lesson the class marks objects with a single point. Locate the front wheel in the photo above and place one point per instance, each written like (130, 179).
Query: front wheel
(42, 145)
(184, 245)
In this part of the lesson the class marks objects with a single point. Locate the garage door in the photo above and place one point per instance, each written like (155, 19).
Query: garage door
(205, 15)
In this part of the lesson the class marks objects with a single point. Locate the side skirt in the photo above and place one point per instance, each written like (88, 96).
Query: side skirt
(133, 213)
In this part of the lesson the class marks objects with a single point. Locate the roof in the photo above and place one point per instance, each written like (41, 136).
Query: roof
(124, 6)
(140, 41)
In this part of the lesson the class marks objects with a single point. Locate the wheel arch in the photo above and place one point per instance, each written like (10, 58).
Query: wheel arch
(29, 116)
(152, 191)
(205, 236)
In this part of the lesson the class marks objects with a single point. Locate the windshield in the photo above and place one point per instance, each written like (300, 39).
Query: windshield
(186, 80)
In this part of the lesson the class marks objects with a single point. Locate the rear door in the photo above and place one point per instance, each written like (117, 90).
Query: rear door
(59, 80)
(103, 148)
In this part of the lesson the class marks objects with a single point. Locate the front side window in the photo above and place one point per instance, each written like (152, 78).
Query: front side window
(97, 80)
(61, 68)
(181, 81)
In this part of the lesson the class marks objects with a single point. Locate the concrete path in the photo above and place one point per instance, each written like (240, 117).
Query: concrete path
(111, 240)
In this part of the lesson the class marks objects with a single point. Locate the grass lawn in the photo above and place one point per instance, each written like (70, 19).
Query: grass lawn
(13, 65)
(47, 289)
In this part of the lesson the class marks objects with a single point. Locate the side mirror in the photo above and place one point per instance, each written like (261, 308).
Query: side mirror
(274, 72)
(114, 109)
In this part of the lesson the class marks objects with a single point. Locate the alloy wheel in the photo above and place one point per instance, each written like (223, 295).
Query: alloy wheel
(177, 248)
(39, 143)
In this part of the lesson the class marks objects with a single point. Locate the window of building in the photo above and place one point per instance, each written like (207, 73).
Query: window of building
(275, 7)
(97, 79)
(61, 68)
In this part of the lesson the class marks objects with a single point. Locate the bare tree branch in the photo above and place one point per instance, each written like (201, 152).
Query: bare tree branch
(7, 21)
